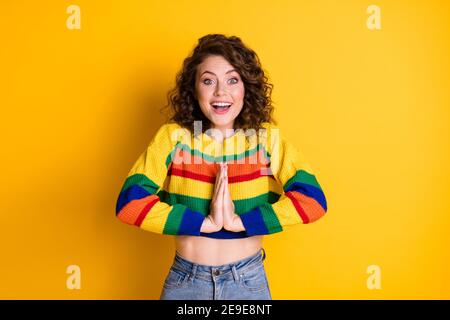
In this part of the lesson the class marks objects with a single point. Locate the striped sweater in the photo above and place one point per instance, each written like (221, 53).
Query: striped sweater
(170, 186)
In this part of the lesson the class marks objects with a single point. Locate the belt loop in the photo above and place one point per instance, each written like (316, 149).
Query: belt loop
(263, 254)
(193, 272)
(235, 274)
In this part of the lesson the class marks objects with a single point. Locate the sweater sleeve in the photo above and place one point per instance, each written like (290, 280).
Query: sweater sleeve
(138, 202)
(302, 201)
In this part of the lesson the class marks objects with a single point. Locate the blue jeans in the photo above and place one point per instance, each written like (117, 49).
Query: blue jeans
(240, 280)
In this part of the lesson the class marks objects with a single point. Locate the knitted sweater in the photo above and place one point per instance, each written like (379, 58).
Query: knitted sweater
(170, 186)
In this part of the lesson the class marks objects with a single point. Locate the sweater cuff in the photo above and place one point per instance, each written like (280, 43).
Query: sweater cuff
(191, 223)
(254, 222)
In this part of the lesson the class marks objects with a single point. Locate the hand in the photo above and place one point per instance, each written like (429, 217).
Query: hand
(231, 221)
(214, 221)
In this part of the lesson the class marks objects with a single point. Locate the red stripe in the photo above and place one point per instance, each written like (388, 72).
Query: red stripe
(204, 178)
(191, 175)
(245, 177)
(144, 212)
(297, 206)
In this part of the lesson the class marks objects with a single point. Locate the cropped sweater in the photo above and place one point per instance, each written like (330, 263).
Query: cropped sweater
(170, 186)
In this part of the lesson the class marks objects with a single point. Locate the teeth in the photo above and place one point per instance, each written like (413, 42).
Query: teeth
(221, 105)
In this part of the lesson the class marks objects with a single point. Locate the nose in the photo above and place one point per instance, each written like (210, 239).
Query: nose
(220, 89)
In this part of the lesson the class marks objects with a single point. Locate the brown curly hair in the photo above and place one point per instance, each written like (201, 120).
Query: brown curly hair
(257, 106)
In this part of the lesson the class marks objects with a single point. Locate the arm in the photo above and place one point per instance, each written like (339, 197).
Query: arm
(303, 200)
(138, 203)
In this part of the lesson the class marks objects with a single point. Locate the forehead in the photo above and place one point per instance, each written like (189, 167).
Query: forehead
(216, 64)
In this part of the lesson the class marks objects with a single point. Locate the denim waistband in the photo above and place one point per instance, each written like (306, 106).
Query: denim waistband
(225, 271)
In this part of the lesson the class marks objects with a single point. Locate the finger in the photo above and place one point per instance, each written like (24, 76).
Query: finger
(218, 199)
(217, 177)
(221, 169)
(217, 183)
(218, 173)
(225, 177)
(221, 181)
(227, 196)
(217, 186)
(224, 194)
(225, 171)
(220, 192)
(225, 188)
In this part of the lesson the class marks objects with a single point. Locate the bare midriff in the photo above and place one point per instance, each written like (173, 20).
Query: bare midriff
(216, 252)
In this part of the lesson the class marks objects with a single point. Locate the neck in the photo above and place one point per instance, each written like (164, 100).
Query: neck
(227, 131)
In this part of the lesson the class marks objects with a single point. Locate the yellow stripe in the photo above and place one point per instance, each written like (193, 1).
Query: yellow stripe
(156, 217)
(152, 161)
(238, 191)
(289, 161)
(286, 212)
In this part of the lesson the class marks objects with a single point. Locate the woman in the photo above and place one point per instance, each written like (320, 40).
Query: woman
(208, 179)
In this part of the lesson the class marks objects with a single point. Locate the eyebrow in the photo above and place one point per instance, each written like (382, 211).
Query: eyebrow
(215, 74)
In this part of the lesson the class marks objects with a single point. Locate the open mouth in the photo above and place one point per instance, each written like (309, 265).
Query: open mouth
(221, 107)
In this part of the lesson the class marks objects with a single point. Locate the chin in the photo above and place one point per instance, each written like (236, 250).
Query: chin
(221, 122)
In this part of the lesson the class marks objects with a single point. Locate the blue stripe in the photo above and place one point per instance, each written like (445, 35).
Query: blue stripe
(191, 223)
(132, 193)
(253, 222)
(309, 191)
(225, 234)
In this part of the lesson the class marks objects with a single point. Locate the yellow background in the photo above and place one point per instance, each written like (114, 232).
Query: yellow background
(369, 108)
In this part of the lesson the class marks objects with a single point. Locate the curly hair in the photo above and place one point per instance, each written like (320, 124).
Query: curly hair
(257, 107)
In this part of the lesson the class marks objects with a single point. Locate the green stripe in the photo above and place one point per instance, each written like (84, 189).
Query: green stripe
(195, 152)
(171, 155)
(195, 204)
(270, 218)
(202, 205)
(173, 221)
(303, 177)
(143, 181)
(245, 205)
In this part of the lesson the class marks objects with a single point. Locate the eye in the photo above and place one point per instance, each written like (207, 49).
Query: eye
(205, 81)
(236, 80)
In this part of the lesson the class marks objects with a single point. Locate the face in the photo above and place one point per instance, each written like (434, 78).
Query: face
(220, 92)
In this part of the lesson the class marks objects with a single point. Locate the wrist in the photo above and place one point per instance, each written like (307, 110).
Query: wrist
(234, 224)
(209, 226)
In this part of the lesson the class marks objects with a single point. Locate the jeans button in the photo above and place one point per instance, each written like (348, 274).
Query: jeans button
(216, 272)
